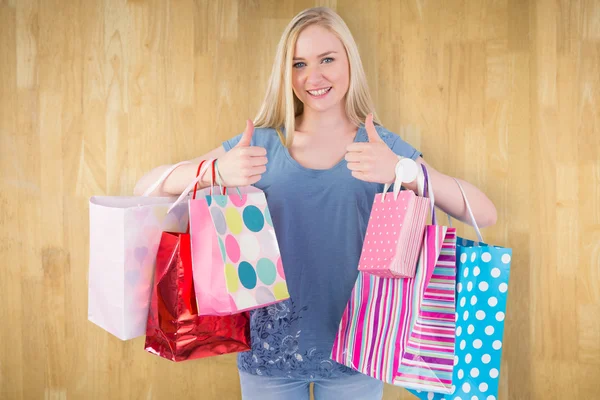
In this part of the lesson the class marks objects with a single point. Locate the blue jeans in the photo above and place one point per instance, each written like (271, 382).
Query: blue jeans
(354, 387)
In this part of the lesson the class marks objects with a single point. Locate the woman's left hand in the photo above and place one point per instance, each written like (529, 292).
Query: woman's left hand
(373, 161)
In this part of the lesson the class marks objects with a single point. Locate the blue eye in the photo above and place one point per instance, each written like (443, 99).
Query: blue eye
(326, 60)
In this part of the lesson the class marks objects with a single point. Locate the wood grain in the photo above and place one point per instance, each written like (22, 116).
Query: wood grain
(503, 93)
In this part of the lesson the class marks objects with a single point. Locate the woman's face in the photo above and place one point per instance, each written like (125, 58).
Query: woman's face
(320, 69)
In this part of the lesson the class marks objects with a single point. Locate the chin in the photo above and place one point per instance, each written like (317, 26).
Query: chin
(322, 107)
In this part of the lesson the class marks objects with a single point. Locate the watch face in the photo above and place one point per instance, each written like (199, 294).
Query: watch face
(409, 170)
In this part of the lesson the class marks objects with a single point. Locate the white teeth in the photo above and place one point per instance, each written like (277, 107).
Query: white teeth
(319, 92)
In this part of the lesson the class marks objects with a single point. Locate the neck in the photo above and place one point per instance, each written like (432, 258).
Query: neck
(333, 121)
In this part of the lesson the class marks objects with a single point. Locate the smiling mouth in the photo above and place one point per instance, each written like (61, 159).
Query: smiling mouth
(320, 92)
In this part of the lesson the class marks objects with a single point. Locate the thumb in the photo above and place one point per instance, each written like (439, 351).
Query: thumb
(371, 131)
(247, 135)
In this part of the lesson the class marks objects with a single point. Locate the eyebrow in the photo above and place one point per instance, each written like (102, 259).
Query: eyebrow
(319, 56)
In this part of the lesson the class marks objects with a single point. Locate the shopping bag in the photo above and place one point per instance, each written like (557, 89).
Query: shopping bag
(428, 355)
(483, 273)
(394, 234)
(124, 236)
(235, 254)
(401, 330)
(174, 329)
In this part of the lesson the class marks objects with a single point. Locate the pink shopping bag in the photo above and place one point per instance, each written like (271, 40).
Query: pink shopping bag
(394, 235)
(235, 254)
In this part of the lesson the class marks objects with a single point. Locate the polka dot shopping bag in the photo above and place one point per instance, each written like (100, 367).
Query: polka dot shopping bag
(235, 255)
(481, 292)
(394, 235)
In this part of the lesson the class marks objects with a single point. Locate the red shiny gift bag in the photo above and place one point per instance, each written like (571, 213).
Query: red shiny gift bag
(174, 329)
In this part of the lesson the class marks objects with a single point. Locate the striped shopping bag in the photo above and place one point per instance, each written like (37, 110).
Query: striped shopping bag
(428, 355)
(401, 331)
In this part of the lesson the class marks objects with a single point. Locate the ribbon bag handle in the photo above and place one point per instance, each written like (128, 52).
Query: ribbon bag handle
(195, 190)
(406, 171)
(197, 174)
(192, 184)
(216, 177)
(219, 179)
(469, 210)
(164, 177)
(428, 188)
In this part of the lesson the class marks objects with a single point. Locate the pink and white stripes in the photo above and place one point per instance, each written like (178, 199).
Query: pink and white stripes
(401, 331)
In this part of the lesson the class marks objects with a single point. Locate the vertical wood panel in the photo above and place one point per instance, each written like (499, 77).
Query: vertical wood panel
(505, 94)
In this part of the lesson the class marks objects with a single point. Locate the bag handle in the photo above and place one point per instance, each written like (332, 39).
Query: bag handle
(219, 179)
(406, 171)
(192, 184)
(408, 175)
(213, 179)
(195, 190)
(464, 195)
(428, 187)
(423, 186)
(473, 222)
(163, 177)
(197, 174)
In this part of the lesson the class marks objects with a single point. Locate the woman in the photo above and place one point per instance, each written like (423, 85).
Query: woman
(320, 186)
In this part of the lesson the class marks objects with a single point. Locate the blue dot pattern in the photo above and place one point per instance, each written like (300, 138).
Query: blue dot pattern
(481, 292)
(268, 216)
(247, 275)
(253, 218)
(221, 200)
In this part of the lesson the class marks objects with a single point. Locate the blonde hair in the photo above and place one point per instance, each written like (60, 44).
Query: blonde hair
(280, 106)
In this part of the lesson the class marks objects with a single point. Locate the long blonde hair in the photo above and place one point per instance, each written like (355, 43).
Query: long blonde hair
(280, 106)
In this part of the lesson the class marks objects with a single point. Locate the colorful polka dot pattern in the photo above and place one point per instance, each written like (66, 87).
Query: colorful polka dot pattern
(253, 269)
(481, 292)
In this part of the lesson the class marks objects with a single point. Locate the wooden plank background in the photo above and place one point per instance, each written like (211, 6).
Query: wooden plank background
(503, 93)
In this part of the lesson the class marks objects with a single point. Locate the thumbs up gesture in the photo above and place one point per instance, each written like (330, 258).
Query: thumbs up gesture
(373, 161)
(244, 164)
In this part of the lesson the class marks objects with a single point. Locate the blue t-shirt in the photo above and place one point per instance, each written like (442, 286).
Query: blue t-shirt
(320, 219)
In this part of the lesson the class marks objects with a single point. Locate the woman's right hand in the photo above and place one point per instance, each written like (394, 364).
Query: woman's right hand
(243, 165)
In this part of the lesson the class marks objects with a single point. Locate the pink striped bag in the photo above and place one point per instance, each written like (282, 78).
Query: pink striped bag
(395, 234)
(401, 331)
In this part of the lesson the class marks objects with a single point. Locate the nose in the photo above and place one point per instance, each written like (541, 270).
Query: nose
(314, 76)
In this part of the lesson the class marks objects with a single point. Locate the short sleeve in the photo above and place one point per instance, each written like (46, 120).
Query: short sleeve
(401, 148)
(231, 143)
(263, 137)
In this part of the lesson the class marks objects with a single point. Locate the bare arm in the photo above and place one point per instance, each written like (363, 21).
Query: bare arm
(241, 166)
(449, 198)
(178, 179)
(376, 162)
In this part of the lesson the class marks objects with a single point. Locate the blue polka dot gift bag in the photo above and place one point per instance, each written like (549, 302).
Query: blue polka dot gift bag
(481, 291)
(236, 260)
